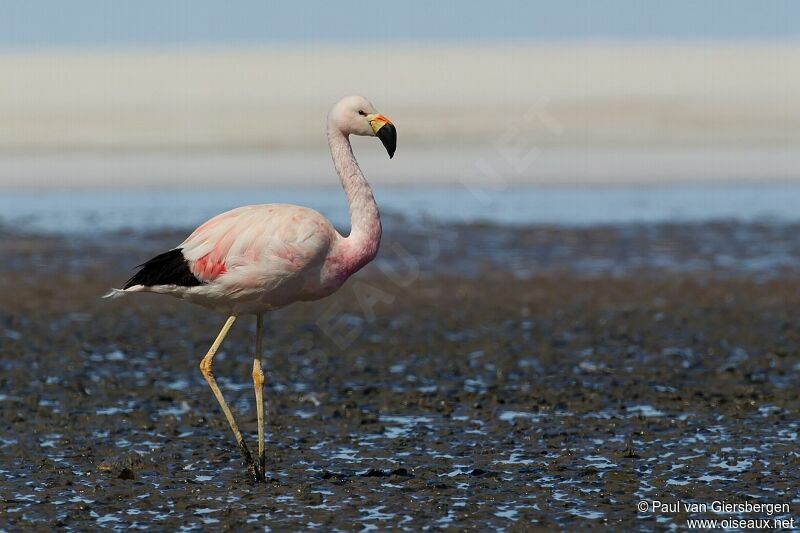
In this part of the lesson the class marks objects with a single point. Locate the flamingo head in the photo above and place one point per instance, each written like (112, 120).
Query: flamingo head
(355, 115)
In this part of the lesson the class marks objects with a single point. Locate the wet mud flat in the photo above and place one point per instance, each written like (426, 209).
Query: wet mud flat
(426, 394)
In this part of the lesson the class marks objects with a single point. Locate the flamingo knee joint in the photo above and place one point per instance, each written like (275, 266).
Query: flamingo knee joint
(258, 373)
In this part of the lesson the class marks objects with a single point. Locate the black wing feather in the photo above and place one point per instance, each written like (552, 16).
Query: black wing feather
(169, 268)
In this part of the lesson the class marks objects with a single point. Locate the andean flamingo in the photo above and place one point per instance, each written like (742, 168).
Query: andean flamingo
(257, 258)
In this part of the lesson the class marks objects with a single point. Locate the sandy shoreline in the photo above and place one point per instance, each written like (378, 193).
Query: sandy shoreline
(592, 113)
(412, 166)
(278, 97)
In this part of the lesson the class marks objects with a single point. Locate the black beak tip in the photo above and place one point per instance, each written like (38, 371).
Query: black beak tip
(388, 136)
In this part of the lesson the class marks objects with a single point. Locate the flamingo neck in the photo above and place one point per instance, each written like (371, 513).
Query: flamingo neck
(365, 222)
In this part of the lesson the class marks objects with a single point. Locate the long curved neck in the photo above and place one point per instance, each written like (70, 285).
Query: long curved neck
(365, 221)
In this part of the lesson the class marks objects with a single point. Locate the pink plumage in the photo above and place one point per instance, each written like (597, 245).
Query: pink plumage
(258, 258)
(261, 257)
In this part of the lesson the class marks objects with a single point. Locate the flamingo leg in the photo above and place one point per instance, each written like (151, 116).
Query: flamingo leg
(258, 385)
(205, 368)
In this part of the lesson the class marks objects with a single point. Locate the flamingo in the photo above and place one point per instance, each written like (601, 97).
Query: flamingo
(258, 258)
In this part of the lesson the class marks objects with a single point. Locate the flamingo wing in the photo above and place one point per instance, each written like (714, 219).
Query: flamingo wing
(169, 268)
(257, 246)
(251, 247)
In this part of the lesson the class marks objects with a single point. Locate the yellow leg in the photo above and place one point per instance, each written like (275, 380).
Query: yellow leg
(205, 368)
(258, 385)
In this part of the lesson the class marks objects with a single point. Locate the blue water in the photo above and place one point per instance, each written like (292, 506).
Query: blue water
(69, 211)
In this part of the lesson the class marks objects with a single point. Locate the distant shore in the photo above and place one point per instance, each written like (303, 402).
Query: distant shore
(412, 166)
(537, 113)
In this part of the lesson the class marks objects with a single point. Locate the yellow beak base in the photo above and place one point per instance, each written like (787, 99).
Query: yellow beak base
(385, 131)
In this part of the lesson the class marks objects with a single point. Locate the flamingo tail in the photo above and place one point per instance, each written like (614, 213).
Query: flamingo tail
(113, 294)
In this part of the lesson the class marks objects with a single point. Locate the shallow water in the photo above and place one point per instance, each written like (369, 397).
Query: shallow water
(82, 210)
(498, 377)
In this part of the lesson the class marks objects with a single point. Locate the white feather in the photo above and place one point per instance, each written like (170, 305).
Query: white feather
(113, 294)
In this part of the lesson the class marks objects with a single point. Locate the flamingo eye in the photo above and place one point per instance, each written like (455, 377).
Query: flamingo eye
(360, 112)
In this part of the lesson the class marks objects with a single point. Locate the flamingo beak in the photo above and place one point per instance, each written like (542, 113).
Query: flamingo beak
(385, 131)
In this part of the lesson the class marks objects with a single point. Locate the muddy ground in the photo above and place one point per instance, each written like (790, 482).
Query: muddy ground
(489, 378)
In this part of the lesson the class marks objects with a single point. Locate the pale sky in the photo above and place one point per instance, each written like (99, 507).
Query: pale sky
(48, 23)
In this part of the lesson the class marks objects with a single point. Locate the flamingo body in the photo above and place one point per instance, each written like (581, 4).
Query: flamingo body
(258, 258)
